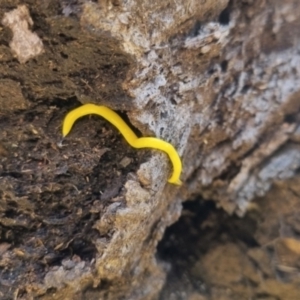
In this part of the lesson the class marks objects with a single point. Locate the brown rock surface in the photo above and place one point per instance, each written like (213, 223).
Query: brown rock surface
(216, 256)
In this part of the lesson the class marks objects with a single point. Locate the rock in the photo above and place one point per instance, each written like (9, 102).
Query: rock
(217, 79)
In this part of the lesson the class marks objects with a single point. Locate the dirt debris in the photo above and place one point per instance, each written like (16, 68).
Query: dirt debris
(214, 256)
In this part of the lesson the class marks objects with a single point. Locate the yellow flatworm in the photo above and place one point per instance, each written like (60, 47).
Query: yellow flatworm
(129, 135)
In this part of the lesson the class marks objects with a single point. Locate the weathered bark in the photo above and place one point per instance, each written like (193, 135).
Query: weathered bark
(217, 79)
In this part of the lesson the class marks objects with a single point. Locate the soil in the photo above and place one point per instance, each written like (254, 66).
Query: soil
(53, 191)
(213, 256)
(52, 194)
(77, 63)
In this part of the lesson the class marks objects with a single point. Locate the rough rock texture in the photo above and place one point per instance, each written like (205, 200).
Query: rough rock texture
(218, 79)
(216, 256)
(232, 84)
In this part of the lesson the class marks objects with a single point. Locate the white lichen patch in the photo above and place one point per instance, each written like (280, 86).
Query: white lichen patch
(212, 33)
(25, 43)
(69, 274)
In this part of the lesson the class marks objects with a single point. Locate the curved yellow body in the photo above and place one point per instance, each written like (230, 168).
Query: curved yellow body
(129, 135)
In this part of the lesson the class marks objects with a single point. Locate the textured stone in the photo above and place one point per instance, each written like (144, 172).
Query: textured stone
(218, 79)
